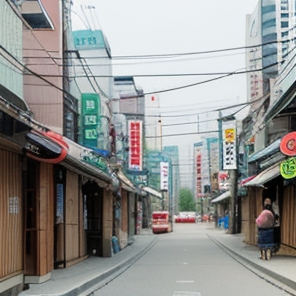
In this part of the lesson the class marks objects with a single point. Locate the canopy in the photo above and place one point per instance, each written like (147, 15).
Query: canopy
(221, 197)
(126, 183)
(152, 191)
(266, 152)
(265, 176)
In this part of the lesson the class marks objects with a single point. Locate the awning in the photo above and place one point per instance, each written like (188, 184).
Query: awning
(86, 170)
(268, 151)
(244, 181)
(221, 197)
(11, 97)
(74, 162)
(126, 184)
(35, 15)
(46, 146)
(152, 191)
(265, 176)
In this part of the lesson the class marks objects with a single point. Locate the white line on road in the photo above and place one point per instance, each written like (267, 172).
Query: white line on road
(185, 282)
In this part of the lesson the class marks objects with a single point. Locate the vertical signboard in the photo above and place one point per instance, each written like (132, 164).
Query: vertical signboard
(59, 204)
(223, 180)
(135, 131)
(198, 173)
(164, 176)
(90, 119)
(229, 145)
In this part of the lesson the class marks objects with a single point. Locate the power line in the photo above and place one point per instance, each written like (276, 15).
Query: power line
(199, 52)
(183, 134)
(172, 55)
(169, 89)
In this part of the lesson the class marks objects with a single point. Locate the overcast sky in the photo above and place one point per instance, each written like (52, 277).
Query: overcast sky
(162, 27)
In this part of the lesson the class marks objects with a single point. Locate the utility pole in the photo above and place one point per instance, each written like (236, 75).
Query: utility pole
(233, 213)
(228, 162)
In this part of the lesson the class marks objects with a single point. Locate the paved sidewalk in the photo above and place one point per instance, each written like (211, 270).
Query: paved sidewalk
(94, 272)
(280, 270)
(85, 277)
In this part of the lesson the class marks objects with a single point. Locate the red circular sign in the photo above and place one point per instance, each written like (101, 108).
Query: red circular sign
(288, 144)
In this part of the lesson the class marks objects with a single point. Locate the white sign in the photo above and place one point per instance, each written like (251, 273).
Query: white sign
(13, 205)
(164, 176)
(229, 145)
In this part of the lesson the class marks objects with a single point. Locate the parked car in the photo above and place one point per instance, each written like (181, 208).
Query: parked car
(185, 219)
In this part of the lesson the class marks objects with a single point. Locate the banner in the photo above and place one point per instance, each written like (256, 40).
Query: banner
(164, 176)
(135, 145)
(229, 145)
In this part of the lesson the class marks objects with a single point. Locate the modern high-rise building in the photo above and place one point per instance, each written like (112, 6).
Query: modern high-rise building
(270, 37)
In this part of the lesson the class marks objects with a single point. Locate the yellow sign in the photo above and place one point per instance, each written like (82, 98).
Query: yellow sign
(229, 135)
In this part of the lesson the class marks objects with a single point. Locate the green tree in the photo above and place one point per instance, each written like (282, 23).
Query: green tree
(186, 200)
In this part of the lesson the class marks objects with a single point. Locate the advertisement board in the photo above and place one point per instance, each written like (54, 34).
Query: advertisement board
(135, 131)
(164, 176)
(91, 109)
(229, 145)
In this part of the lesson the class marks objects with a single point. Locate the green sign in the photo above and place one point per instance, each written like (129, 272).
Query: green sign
(90, 109)
(288, 168)
(95, 160)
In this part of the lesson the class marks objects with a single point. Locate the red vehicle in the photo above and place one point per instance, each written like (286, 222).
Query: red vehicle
(160, 222)
(185, 219)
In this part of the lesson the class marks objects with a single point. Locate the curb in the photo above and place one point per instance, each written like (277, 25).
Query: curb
(103, 279)
(272, 277)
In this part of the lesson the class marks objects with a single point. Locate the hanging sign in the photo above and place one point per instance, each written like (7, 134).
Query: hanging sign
(46, 146)
(288, 144)
(229, 145)
(135, 145)
(164, 176)
(288, 168)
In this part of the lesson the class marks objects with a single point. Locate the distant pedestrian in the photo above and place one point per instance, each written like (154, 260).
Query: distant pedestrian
(266, 218)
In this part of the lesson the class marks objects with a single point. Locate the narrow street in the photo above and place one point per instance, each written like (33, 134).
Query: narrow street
(188, 262)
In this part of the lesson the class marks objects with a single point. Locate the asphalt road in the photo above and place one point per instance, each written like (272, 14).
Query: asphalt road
(187, 262)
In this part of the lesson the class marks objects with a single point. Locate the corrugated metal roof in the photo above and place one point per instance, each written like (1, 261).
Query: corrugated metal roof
(152, 191)
(221, 197)
(265, 176)
(271, 149)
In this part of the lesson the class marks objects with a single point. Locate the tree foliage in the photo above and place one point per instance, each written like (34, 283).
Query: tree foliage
(186, 200)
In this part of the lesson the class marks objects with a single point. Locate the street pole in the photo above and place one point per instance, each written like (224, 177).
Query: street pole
(228, 144)
(233, 215)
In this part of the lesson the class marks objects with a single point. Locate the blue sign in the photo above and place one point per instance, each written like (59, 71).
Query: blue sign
(88, 39)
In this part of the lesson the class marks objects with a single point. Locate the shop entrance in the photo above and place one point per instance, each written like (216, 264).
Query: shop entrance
(31, 198)
(93, 211)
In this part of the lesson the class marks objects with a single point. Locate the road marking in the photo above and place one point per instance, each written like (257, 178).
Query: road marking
(185, 263)
(185, 293)
(185, 282)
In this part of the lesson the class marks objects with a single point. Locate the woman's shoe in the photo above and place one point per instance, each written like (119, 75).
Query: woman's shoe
(268, 254)
(263, 254)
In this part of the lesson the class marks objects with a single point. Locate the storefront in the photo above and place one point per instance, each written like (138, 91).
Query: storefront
(128, 222)
(13, 128)
(270, 183)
